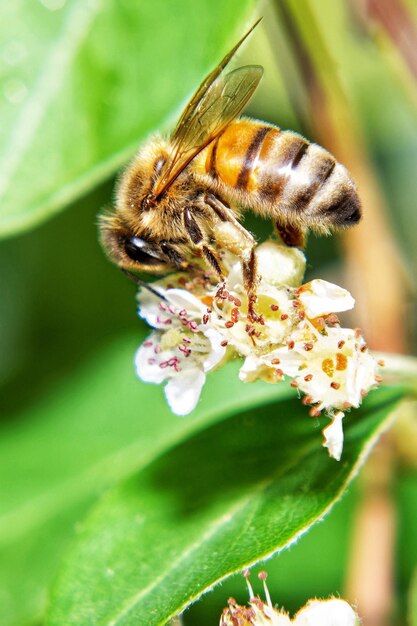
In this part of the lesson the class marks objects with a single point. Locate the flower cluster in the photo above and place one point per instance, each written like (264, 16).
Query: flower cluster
(332, 612)
(199, 325)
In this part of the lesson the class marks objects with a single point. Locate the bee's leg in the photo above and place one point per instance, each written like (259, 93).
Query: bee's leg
(291, 235)
(250, 281)
(223, 211)
(198, 239)
(212, 259)
(173, 255)
(244, 246)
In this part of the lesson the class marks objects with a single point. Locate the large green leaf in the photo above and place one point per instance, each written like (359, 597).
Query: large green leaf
(60, 452)
(85, 80)
(235, 493)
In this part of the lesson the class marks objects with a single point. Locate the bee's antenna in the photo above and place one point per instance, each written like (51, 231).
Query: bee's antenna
(145, 285)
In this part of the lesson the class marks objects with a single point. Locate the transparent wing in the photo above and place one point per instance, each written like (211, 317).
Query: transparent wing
(219, 99)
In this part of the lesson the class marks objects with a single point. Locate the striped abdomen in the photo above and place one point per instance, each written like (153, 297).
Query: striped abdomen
(284, 176)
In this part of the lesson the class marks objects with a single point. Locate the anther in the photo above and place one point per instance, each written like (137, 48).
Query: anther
(314, 412)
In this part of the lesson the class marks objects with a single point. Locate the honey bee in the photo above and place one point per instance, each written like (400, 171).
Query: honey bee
(182, 197)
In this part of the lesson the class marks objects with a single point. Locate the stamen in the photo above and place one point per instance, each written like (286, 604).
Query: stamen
(263, 576)
(246, 574)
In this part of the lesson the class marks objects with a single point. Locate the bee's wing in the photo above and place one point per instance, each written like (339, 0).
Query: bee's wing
(218, 100)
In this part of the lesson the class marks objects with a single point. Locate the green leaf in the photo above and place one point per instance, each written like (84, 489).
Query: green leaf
(61, 451)
(227, 497)
(412, 601)
(85, 80)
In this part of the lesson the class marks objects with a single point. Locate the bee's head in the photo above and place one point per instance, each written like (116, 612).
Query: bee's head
(130, 251)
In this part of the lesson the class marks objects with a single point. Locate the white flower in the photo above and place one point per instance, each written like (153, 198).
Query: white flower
(331, 612)
(198, 322)
(182, 350)
(329, 364)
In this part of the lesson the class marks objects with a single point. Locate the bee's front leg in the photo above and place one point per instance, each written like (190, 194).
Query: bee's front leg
(250, 282)
(199, 240)
(230, 234)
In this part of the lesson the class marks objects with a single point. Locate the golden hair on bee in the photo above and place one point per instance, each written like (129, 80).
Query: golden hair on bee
(183, 196)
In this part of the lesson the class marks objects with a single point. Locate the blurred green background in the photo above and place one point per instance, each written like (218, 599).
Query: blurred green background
(80, 86)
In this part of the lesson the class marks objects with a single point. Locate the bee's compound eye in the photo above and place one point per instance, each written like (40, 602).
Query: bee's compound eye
(135, 249)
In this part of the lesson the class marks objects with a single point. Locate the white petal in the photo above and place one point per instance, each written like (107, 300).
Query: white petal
(183, 391)
(320, 297)
(183, 299)
(147, 363)
(250, 369)
(360, 376)
(280, 265)
(333, 612)
(150, 309)
(290, 360)
(333, 436)
(217, 351)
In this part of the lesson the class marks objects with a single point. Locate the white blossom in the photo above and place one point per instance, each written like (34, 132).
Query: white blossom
(181, 350)
(199, 323)
(331, 612)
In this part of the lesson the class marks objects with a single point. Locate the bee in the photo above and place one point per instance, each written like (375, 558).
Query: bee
(182, 198)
